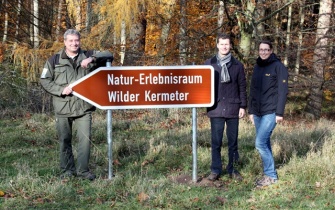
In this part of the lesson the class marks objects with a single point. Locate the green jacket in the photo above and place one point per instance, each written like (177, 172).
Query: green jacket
(60, 71)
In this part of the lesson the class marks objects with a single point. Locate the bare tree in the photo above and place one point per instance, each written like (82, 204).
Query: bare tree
(260, 13)
(123, 42)
(4, 38)
(137, 38)
(167, 11)
(59, 19)
(88, 15)
(300, 37)
(288, 34)
(18, 12)
(314, 102)
(220, 15)
(36, 24)
(182, 33)
(245, 22)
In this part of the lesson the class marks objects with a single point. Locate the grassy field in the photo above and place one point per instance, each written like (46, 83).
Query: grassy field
(152, 150)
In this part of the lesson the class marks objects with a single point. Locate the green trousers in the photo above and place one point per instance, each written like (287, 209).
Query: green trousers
(64, 127)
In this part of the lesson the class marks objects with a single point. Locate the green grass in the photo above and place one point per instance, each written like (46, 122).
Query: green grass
(150, 148)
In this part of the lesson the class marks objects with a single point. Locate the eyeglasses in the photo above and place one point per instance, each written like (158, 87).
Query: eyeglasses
(264, 50)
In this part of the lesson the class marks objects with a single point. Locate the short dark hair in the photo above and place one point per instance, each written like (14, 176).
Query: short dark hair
(266, 42)
(222, 36)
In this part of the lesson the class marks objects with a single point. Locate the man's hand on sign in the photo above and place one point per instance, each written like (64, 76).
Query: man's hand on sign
(67, 90)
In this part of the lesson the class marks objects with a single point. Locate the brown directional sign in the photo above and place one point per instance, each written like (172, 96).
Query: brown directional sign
(148, 87)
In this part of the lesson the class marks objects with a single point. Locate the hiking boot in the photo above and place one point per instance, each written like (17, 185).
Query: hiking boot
(213, 177)
(265, 181)
(236, 175)
(67, 175)
(87, 175)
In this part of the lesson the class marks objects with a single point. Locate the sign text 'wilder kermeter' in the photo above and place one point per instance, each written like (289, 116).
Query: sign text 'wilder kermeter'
(148, 87)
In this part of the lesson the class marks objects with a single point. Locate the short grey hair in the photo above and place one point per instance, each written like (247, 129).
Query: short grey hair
(71, 32)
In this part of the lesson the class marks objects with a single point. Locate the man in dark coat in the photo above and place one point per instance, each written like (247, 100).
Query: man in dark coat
(230, 104)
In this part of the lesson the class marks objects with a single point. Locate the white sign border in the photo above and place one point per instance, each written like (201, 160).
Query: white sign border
(125, 68)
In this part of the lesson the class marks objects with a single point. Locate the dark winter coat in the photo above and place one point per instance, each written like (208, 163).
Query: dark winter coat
(230, 96)
(269, 88)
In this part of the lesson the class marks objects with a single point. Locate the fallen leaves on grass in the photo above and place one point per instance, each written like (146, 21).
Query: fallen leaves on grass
(142, 197)
(317, 184)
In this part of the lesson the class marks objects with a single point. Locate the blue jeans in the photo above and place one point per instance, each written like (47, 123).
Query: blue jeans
(264, 127)
(217, 129)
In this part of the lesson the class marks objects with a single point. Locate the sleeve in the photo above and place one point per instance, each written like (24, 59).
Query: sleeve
(47, 78)
(100, 57)
(282, 82)
(251, 93)
(242, 85)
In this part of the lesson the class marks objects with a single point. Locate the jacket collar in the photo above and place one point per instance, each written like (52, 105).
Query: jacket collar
(214, 60)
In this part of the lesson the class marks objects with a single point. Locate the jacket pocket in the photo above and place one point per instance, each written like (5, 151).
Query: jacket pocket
(234, 106)
(62, 106)
(60, 77)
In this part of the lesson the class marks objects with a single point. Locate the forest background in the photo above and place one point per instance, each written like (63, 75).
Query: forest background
(147, 142)
(169, 32)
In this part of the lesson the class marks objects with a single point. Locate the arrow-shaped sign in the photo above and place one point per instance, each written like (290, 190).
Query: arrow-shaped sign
(148, 87)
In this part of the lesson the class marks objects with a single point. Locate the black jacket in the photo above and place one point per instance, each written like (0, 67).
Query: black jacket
(268, 88)
(231, 96)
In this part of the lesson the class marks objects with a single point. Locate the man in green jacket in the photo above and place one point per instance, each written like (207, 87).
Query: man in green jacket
(63, 68)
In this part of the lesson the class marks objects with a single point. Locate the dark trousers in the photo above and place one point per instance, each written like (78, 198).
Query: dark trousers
(64, 129)
(217, 129)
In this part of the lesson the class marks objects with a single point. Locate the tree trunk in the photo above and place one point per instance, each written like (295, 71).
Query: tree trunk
(314, 101)
(259, 30)
(123, 42)
(301, 26)
(277, 27)
(288, 34)
(245, 23)
(88, 15)
(259, 15)
(137, 43)
(78, 14)
(168, 9)
(220, 16)
(59, 19)
(182, 29)
(5, 31)
(36, 25)
(18, 13)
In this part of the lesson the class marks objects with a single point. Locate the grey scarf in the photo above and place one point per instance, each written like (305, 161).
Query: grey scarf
(225, 63)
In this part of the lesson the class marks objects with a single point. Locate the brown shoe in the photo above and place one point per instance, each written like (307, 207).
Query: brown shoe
(236, 175)
(213, 177)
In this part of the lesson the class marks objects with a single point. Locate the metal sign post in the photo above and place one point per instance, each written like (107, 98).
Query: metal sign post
(194, 145)
(109, 138)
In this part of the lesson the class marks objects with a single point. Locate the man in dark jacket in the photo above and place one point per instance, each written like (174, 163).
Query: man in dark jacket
(268, 92)
(230, 104)
(60, 70)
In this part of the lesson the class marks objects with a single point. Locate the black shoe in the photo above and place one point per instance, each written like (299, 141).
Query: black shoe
(67, 175)
(87, 175)
(213, 177)
(236, 175)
